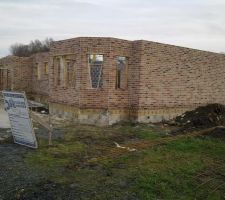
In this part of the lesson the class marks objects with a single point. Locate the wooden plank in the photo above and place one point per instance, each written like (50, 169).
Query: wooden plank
(34, 104)
(41, 121)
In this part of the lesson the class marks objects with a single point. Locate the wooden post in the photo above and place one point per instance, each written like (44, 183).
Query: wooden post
(50, 138)
(48, 125)
(50, 130)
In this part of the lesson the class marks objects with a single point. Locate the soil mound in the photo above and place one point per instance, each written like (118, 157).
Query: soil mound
(202, 117)
(218, 132)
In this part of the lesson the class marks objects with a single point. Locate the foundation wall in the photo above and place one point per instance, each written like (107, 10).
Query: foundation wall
(104, 117)
(160, 115)
(99, 117)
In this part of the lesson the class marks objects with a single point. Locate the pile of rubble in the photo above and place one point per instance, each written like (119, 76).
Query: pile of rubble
(203, 117)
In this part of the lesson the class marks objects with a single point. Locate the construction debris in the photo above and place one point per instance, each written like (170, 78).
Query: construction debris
(34, 104)
(212, 115)
(122, 147)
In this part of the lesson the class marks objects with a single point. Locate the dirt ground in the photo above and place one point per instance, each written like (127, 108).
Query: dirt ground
(4, 120)
(87, 162)
(124, 161)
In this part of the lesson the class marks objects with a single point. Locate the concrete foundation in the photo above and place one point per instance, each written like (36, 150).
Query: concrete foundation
(99, 117)
(104, 117)
(160, 115)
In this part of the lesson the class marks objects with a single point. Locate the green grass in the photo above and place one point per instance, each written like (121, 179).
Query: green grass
(168, 171)
(52, 160)
(148, 134)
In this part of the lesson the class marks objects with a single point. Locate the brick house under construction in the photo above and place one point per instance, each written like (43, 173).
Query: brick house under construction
(106, 80)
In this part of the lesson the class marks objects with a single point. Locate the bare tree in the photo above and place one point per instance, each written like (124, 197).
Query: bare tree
(47, 42)
(35, 46)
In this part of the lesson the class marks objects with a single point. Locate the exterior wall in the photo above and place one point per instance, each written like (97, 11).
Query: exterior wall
(175, 79)
(95, 105)
(20, 71)
(59, 93)
(163, 80)
(40, 86)
(21, 75)
(134, 79)
(5, 78)
(81, 94)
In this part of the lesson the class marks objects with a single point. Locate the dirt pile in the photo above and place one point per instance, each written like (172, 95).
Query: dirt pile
(218, 132)
(202, 117)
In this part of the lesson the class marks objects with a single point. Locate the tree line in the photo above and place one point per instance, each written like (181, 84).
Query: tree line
(35, 46)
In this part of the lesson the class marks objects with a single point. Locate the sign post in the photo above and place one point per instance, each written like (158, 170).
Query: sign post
(22, 128)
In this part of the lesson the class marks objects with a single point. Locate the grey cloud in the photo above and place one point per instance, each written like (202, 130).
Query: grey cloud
(194, 23)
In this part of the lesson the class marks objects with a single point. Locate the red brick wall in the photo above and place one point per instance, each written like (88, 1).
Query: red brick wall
(20, 71)
(58, 93)
(119, 98)
(22, 74)
(172, 76)
(134, 74)
(40, 86)
(159, 75)
(81, 94)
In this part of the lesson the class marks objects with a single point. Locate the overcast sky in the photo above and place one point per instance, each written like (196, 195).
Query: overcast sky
(192, 23)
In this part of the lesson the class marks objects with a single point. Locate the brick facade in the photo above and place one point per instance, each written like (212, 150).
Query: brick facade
(20, 71)
(21, 75)
(162, 80)
(40, 85)
(178, 79)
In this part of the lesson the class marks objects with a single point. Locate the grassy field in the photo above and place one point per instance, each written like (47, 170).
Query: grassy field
(84, 163)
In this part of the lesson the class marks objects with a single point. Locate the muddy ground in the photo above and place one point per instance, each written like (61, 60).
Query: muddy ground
(124, 161)
(85, 163)
(39, 174)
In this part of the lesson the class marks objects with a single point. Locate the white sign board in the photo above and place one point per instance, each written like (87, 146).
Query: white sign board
(17, 108)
